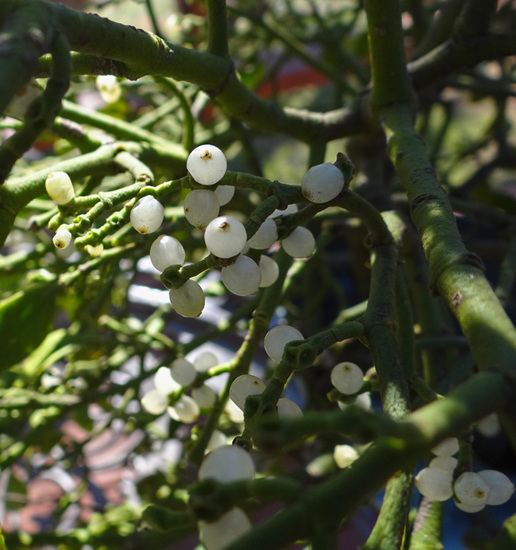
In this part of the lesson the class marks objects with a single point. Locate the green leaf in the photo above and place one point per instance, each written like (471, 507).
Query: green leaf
(25, 320)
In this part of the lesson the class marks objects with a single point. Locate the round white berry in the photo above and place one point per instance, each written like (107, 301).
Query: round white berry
(205, 361)
(224, 193)
(300, 243)
(204, 396)
(489, 426)
(201, 206)
(207, 164)
(269, 271)
(447, 447)
(225, 237)
(226, 464)
(344, 455)
(434, 484)
(288, 408)
(228, 528)
(277, 338)
(166, 251)
(63, 238)
(266, 234)
(108, 87)
(501, 487)
(471, 489)
(183, 372)
(164, 382)
(185, 410)
(243, 386)
(347, 377)
(147, 215)
(188, 300)
(322, 183)
(155, 402)
(59, 187)
(242, 277)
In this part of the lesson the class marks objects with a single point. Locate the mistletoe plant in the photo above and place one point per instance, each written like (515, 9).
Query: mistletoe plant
(361, 275)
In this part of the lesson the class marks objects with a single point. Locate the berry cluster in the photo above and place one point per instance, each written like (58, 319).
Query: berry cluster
(472, 491)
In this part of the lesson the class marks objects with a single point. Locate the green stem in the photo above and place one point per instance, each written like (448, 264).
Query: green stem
(217, 28)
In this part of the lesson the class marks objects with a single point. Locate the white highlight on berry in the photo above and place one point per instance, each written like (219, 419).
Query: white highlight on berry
(147, 215)
(277, 338)
(447, 447)
(242, 277)
(471, 489)
(63, 238)
(501, 487)
(227, 464)
(233, 412)
(188, 300)
(185, 410)
(489, 426)
(228, 528)
(225, 237)
(183, 372)
(207, 164)
(269, 271)
(344, 455)
(108, 87)
(265, 236)
(288, 408)
(201, 206)
(300, 243)
(164, 382)
(224, 193)
(434, 484)
(322, 183)
(243, 386)
(166, 251)
(347, 377)
(59, 187)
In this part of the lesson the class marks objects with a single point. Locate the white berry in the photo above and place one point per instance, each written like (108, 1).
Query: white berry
(243, 386)
(185, 410)
(225, 237)
(242, 277)
(183, 372)
(108, 87)
(501, 487)
(322, 183)
(201, 206)
(222, 532)
(205, 361)
(300, 243)
(265, 236)
(288, 408)
(147, 215)
(269, 271)
(166, 251)
(347, 377)
(207, 164)
(447, 447)
(226, 464)
(188, 300)
(471, 489)
(59, 187)
(204, 396)
(434, 484)
(277, 338)
(224, 193)
(62, 238)
(344, 455)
